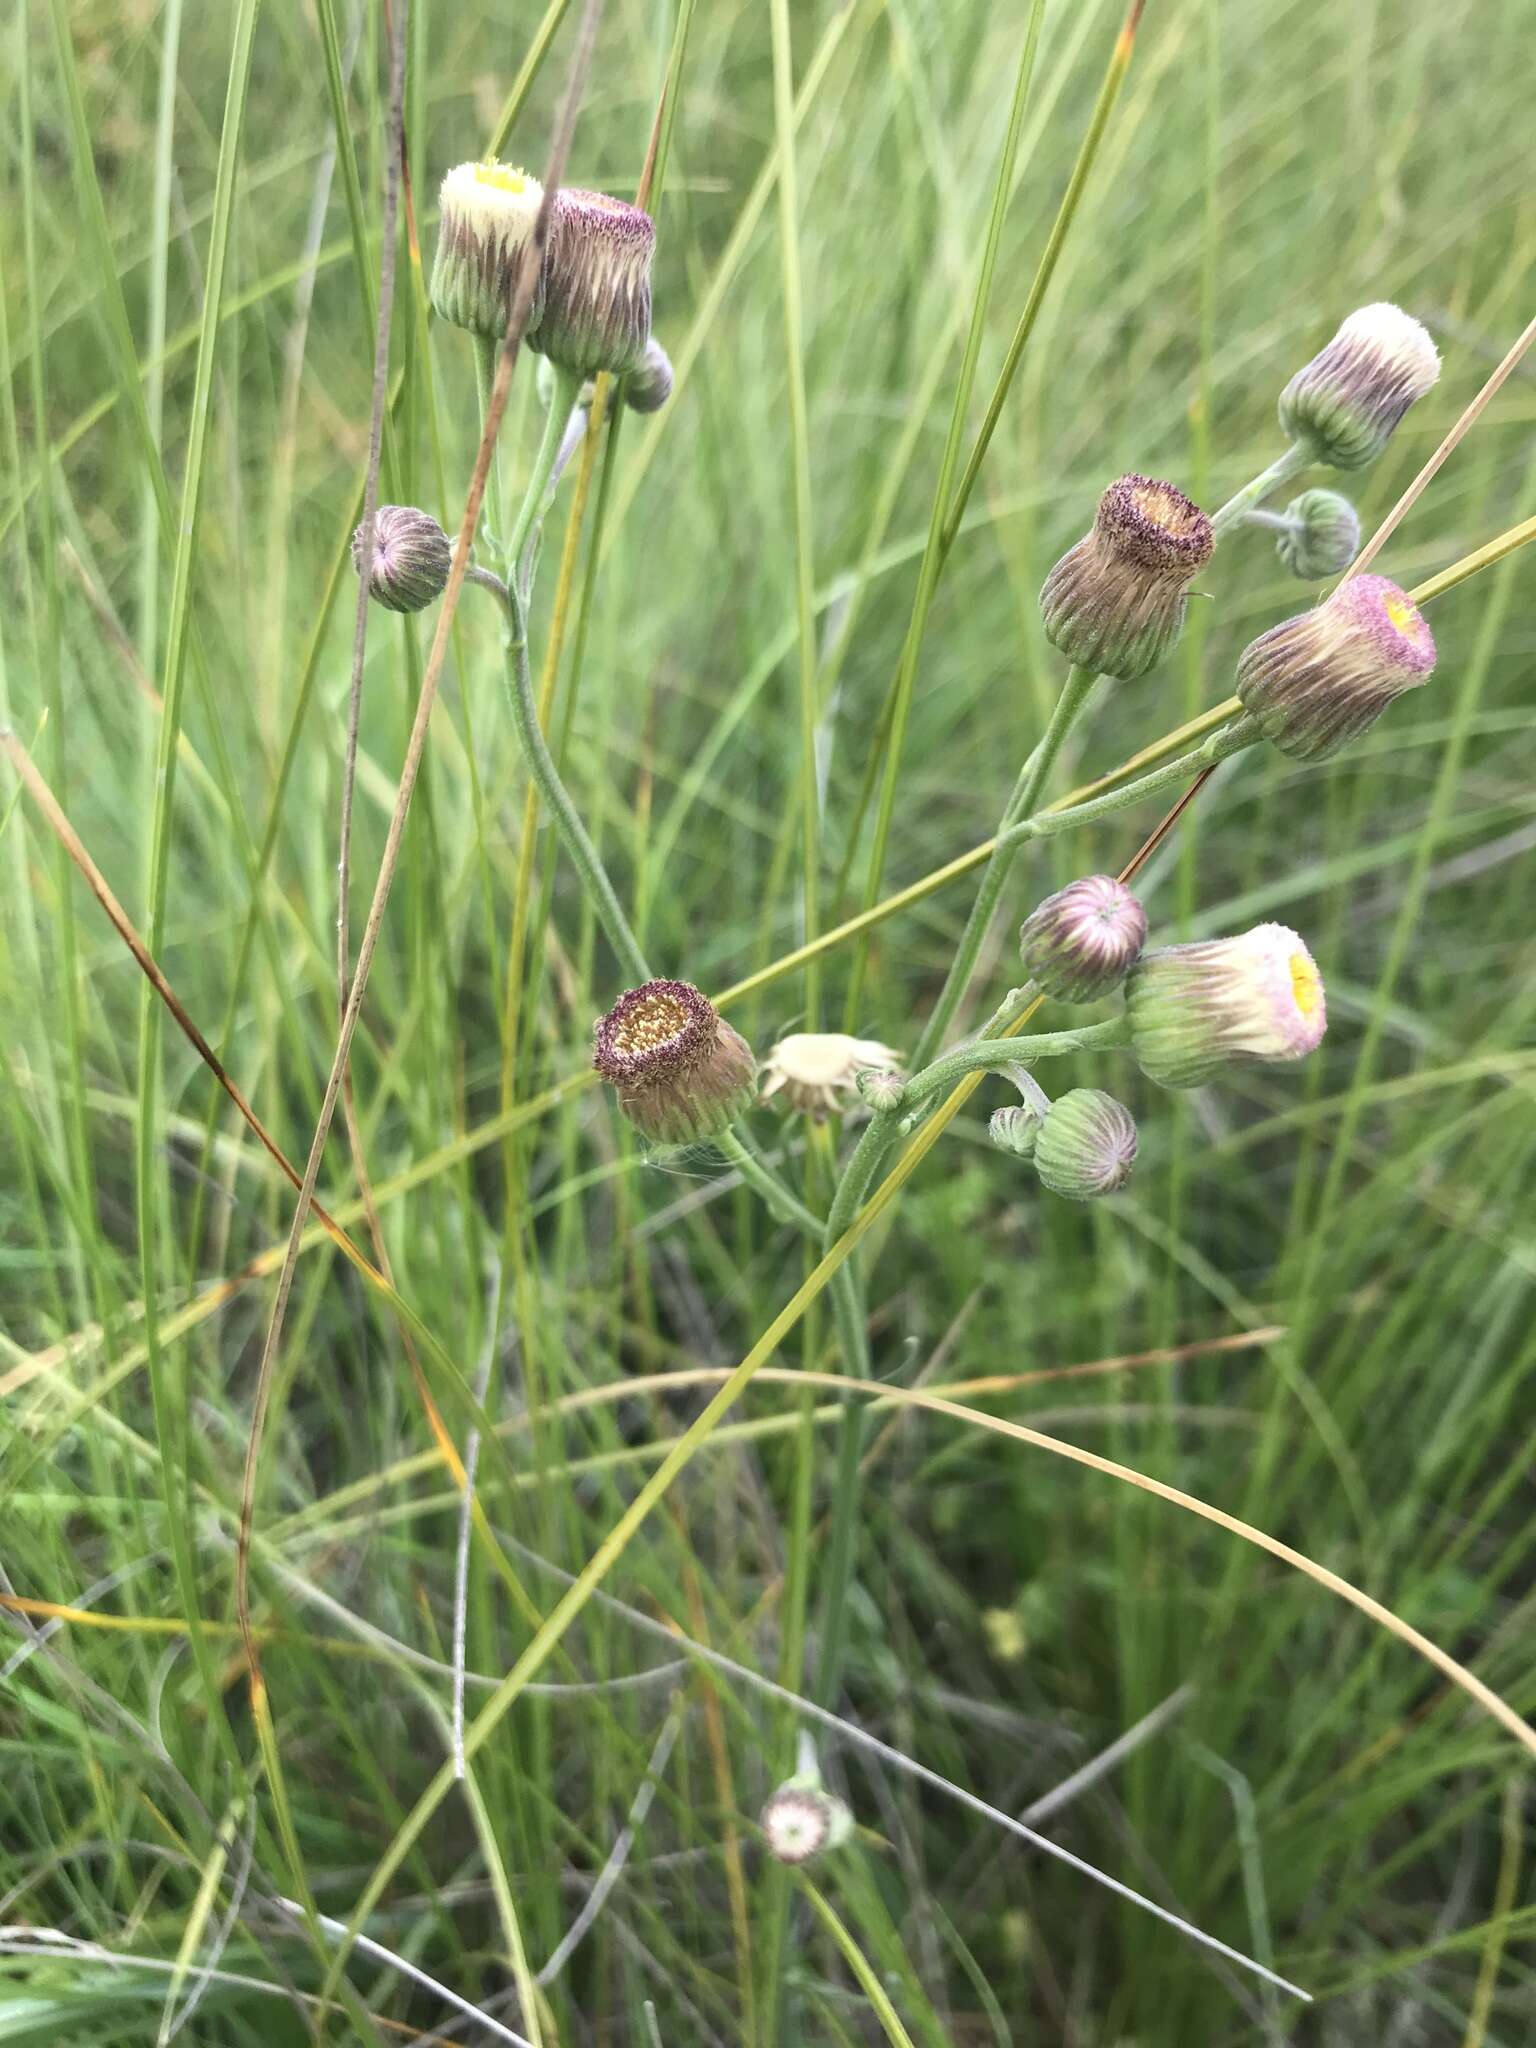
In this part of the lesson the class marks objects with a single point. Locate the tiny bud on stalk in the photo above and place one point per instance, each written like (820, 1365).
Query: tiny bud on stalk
(1086, 1146)
(649, 385)
(1015, 1129)
(1321, 537)
(411, 558)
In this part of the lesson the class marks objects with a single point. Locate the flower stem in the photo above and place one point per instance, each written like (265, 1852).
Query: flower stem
(982, 1053)
(781, 1199)
(1280, 471)
(1074, 694)
(1242, 732)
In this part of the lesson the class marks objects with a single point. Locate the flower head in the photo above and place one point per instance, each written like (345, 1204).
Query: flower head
(597, 283)
(1219, 1002)
(1320, 680)
(649, 385)
(1080, 943)
(411, 558)
(1086, 1146)
(1321, 536)
(681, 1073)
(1115, 603)
(487, 213)
(802, 1818)
(817, 1069)
(1343, 405)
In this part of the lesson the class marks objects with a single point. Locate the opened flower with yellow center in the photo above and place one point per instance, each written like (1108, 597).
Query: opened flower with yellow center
(487, 214)
(1196, 1009)
(816, 1070)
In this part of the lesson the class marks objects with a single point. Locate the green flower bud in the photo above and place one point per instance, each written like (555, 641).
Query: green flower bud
(1014, 1129)
(597, 283)
(1086, 1146)
(1115, 603)
(1080, 943)
(649, 385)
(487, 213)
(411, 558)
(681, 1073)
(1196, 1009)
(1320, 680)
(882, 1088)
(1320, 537)
(1344, 404)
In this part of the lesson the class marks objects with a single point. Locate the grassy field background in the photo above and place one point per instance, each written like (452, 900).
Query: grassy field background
(1318, 1285)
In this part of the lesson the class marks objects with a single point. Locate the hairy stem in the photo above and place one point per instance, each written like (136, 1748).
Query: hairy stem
(1280, 471)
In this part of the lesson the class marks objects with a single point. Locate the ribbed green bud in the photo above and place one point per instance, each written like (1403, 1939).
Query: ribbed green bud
(1014, 1128)
(1115, 603)
(1080, 943)
(1321, 536)
(1086, 1146)
(411, 558)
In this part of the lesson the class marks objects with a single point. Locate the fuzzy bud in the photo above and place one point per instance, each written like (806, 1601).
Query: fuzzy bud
(1321, 535)
(649, 385)
(1086, 1146)
(1343, 405)
(1320, 680)
(882, 1088)
(801, 1819)
(1014, 1129)
(1080, 943)
(1115, 603)
(1195, 1009)
(597, 283)
(411, 558)
(681, 1073)
(486, 218)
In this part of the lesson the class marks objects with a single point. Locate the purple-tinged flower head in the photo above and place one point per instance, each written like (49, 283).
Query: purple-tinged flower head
(411, 558)
(1344, 404)
(649, 385)
(597, 283)
(486, 217)
(1321, 535)
(681, 1073)
(1195, 1009)
(1086, 1146)
(801, 1819)
(1014, 1128)
(1320, 680)
(1080, 943)
(1115, 603)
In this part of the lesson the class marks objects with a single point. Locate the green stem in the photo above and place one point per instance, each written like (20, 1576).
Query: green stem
(1026, 791)
(982, 1053)
(781, 1199)
(1280, 471)
(1222, 744)
(566, 391)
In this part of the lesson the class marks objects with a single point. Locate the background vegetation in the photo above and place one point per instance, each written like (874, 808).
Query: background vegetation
(1340, 1257)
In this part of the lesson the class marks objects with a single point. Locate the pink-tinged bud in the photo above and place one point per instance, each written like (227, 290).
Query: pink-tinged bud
(1195, 1009)
(1320, 680)
(802, 1819)
(1344, 404)
(1086, 1146)
(487, 212)
(411, 558)
(649, 385)
(681, 1073)
(1080, 943)
(1115, 603)
(597, 283)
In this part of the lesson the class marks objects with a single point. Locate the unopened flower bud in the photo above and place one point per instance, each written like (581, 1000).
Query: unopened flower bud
(1320, 537)
(649, 385)
(411, 558)
(802, 1819)
(681, 1073)
(1343, 405)
(817, 1070)
(1086, 1146)
(597, 283)
(1320, 680)
(1079, 944)
(1195, 1009)
(881, 1087)
(1115, 603)
(1014, 1129)
(487, 213)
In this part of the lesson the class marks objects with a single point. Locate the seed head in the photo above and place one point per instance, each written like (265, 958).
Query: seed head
(1086, 1146)
(1344, 404)
(486, 218)
(817, 1070)
(411, 558)
(681, 1073)
(1320, 680)
(1221, 1002)
(597, 283)
(1080, 943)
(1115, 603)
(801, 1819)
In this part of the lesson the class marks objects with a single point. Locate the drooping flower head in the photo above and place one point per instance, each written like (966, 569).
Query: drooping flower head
(1086, 1146)
(1320, 680)
(1079, 944)
(817, 1070)
(802, 1818)
(681, 1073)
(1220, 1002)
(411, 558)
(1115, 603)
(597, 283)
(1344, 404)
(1321, 536)
(487, 213)
(649, 385)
